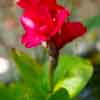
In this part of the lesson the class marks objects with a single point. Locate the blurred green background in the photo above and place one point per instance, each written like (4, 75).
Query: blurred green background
(87, 46)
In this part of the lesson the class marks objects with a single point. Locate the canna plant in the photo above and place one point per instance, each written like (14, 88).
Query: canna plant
(62, 77)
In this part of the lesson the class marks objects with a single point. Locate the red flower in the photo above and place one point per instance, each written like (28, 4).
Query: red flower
(43, 20)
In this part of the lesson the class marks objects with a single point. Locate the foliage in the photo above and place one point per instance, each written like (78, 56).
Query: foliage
(70, 78)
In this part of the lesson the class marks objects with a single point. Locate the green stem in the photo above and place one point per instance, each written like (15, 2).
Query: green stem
(53, 60)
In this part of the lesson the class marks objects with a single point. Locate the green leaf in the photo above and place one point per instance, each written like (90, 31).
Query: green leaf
(21, 92)
(72, 73)
(5, 93)
(18, 90)
(61, 94)
(31, 73)
(15, 91)
(92, 23)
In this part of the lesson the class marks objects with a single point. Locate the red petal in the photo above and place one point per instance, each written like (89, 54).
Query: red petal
(74, 29)
(69, 31)
(31, 40)
(50, 2)
(22, 3)
(59, 14)
(25, 4)
(39, 21)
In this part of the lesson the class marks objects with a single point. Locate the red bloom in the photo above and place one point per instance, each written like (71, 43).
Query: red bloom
(43, 20)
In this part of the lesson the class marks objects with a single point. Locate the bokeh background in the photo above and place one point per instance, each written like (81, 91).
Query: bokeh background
(87, 46)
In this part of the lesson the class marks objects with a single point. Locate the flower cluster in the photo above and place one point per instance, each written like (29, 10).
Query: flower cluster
(45, 20)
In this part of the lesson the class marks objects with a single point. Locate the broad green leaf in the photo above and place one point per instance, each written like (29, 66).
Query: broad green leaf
(92, 23)
(72, 73)
(61, 94)
(31, 73)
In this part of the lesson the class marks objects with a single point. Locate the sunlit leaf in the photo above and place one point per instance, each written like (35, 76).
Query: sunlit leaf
(72, 73)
